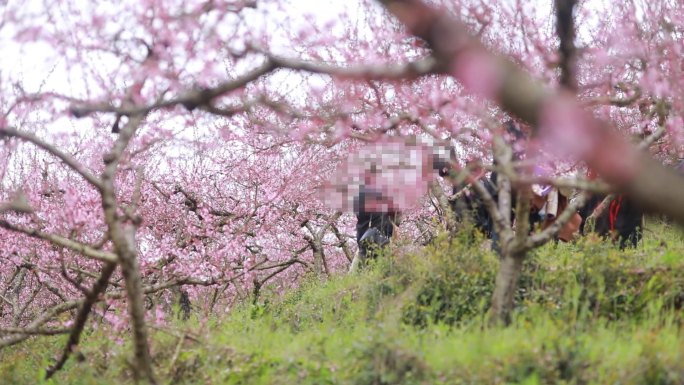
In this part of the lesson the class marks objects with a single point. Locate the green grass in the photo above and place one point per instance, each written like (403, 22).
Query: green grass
(587, 313)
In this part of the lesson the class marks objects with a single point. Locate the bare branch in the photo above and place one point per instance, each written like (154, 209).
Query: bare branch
(50, 287)
(81, 318)
(18, 204)
(6, 300)
(389, 72)
(614, 101)
(190, 100)
(33, 332)
(343, 242)
(68, 160)
(575, 183)
(600, 208)
(491, 206)
(444, 206)
(83, 249)
(46, 316)
(278, 271)
(550, 232)
(19, 314)
(203, 97)
(657, 134)
(598, 211)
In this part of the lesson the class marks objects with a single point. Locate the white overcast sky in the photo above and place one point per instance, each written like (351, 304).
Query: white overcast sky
(36, 66)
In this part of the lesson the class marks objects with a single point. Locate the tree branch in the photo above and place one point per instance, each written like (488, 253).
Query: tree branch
(34, 332)
(203, 97)
(123, 239)
(78, 247)
(609, 154)
(75, 336)
(550, 232)
(66, 159)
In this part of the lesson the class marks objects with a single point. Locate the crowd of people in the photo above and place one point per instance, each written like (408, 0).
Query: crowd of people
(618, 218)
(620, 221)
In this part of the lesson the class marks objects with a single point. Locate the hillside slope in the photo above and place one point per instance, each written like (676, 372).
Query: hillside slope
(587, 314)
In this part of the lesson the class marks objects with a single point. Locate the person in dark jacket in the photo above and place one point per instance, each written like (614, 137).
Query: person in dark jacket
(376, 216)
(375, 219)
(622, 220)
(467, 205)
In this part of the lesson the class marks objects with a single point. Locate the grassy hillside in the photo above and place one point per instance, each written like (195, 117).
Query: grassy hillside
(587, 314)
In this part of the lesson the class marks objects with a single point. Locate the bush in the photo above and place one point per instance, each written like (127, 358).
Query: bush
(453, 284)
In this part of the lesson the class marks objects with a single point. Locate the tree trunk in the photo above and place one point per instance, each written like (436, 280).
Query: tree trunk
(17, 289)
(123, 239)
(506, 286)
(318, 261)
(136, 308)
